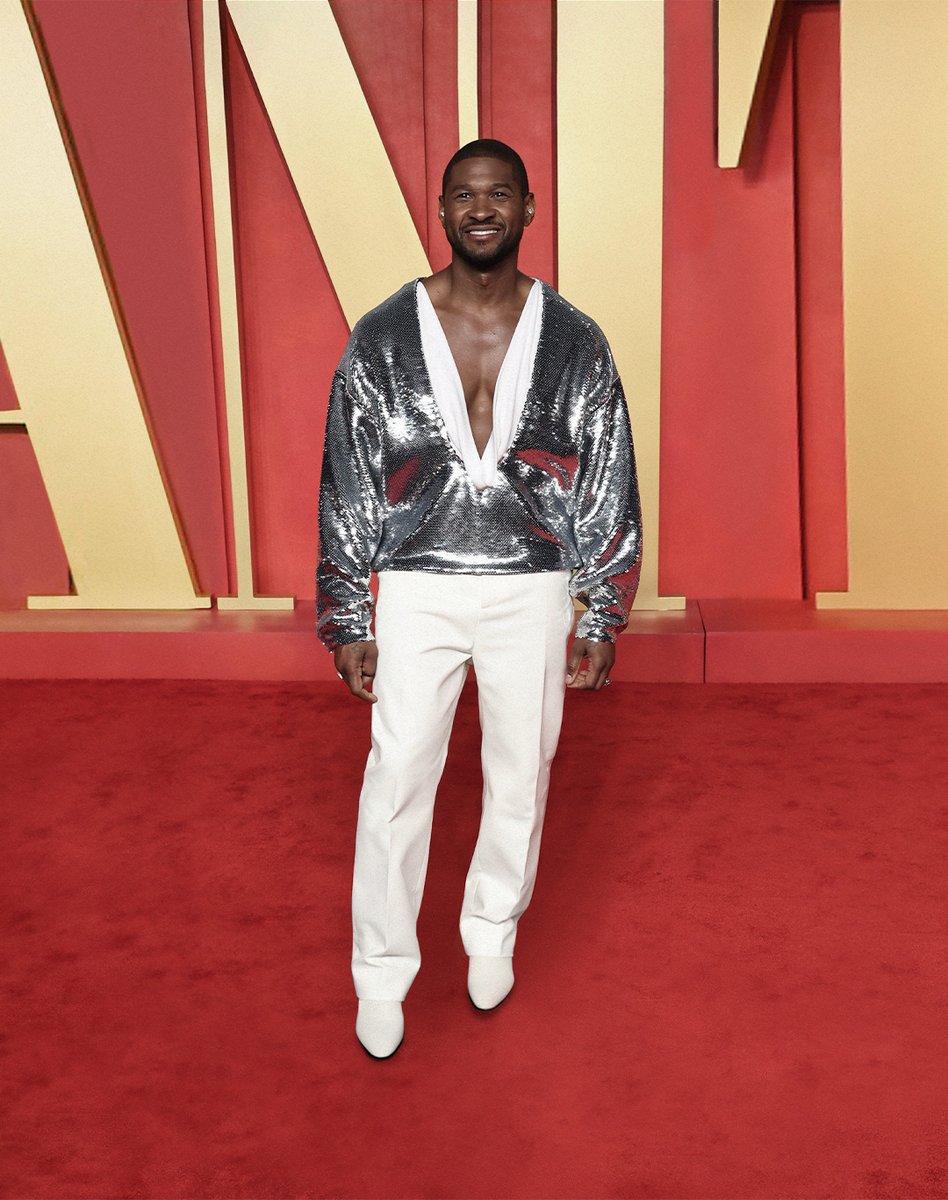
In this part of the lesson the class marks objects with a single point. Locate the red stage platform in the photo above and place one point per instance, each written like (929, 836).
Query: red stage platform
(207, 644)
(786, 641)
(715, 641)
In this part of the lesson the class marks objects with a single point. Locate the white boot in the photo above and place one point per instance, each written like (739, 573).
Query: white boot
(489, 979)
(380, 1026)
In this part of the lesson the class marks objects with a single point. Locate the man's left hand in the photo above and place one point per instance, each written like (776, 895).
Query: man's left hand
(601, 656)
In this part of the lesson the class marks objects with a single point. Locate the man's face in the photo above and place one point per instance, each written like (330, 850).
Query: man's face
(483, 212)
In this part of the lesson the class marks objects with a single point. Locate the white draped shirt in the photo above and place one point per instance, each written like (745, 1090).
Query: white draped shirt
(510, 391)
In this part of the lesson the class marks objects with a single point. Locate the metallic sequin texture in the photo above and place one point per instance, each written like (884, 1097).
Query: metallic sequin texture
(395, 495)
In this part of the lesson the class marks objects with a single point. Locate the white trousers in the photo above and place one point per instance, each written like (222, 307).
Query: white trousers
(429, 628)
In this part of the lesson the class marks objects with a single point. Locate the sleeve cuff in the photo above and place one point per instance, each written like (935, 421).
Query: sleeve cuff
(594, 627)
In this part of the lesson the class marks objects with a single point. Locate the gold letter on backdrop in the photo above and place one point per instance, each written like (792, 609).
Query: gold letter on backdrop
(468, 120)
(895, 302)
(747, 31)
(344, 179)
(64, 345)
(895, 281)
(609, 145)
(230, 329)
(334, 152)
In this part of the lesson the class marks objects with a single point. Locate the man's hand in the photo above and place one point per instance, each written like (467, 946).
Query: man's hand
(355, 664)
(601, 656)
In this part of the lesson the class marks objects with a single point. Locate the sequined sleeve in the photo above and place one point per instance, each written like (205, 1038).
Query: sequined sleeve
(608, 520)
(350, 517)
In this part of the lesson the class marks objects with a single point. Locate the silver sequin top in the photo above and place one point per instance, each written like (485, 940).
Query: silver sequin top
(395, 496)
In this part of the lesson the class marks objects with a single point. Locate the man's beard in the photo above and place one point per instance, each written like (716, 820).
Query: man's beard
(488, 258)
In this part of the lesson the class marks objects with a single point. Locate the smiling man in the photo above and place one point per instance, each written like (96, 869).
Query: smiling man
(479, 458)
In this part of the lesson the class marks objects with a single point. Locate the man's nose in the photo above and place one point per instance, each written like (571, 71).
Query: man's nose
(483, 208)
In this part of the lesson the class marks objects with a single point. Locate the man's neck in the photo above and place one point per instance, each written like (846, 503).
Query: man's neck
(470, 287)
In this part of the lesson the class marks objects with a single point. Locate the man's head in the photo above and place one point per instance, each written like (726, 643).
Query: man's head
(485, 203)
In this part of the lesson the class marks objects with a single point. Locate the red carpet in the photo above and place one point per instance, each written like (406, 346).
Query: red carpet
(731, 982)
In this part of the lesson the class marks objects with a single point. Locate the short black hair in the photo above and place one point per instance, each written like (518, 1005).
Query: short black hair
(489, 148)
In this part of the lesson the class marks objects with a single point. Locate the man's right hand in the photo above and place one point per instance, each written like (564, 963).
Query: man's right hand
(355, 664)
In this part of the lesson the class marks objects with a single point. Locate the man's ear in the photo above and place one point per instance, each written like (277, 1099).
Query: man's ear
(441, 209)
(529, 208)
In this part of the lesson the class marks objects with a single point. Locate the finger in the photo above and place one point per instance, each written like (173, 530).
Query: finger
(601, 658)
(352, 676)
(369, 660)
(596, 671)
(355, 681)
(600, 681)
(575, 661)
(367, 679)
(579, 681)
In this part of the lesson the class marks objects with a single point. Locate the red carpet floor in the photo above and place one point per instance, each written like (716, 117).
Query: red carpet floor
(731, 982)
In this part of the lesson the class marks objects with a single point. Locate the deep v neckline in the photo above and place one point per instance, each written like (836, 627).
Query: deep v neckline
(448, 354)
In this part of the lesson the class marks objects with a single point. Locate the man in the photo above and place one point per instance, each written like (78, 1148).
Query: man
(479, 458)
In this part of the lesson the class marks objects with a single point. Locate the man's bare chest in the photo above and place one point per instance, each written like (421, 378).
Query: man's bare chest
(478, 348)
